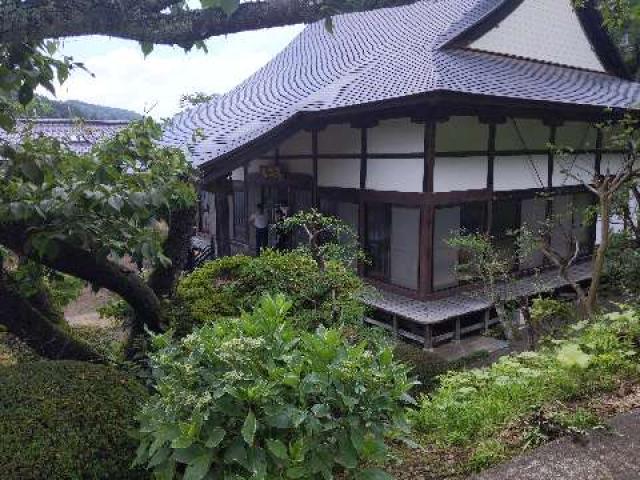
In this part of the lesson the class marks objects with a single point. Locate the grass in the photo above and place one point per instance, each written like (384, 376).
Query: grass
(481, 417)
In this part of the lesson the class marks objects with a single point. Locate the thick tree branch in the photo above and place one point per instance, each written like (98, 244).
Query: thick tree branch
(35, 328)
(101, 273)
(149, 21)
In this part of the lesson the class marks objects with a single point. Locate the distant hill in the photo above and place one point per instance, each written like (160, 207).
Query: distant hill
(43, 107)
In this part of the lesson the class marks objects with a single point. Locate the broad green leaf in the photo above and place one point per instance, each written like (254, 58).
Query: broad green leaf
(215, 437)
(249, 428)
(277, 449)
(197, 469)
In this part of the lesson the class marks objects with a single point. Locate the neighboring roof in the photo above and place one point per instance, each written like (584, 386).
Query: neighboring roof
(79, 136)
(379, 56)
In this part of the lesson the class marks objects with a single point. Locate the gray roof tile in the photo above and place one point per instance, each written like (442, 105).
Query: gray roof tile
(382, 55)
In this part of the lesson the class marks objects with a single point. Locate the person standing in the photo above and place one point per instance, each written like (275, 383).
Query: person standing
(261, 224)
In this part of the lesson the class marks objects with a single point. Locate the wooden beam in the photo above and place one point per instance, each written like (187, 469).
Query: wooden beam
(599, 141)
(428, 337)
(246, 202)
(425, 269)
(429, 156)
(363, 158)
(491, 155)
(314, 156)
(551, 154)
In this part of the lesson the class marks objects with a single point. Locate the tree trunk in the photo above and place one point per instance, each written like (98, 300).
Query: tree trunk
(33, 327)
(591, 301)
(163, 280)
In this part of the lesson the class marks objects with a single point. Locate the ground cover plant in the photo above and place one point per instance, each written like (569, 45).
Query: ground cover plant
(471, 410)
(255, 397)
(67, 420)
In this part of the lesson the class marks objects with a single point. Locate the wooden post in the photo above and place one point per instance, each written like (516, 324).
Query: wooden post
(491, 155)
(221, 199)
(458, 333)
(396, 328)
(425, 267)
(487, 319)
(428, 337)
(599, 139)
(363, 158)
(314, 156)
(429, 155)
(550, 156)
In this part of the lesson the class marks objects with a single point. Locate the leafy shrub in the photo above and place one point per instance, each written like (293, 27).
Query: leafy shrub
(255, 398)
(108, 341)
(549, 316)
(225, 287)
(67, 420)
(473, 406)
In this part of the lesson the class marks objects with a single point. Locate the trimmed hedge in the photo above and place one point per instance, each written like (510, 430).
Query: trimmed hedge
(67, 420)
(225, 287)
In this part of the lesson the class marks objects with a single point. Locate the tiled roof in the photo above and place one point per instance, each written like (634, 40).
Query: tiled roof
(79, 136)
(377, 56)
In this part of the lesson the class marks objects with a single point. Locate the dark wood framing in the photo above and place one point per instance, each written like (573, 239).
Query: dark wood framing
(490, 111)
(429, 156)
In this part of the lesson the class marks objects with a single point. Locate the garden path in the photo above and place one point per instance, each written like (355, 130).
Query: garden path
(608, 454)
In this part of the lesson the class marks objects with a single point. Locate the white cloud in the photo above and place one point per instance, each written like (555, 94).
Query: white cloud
(125, 79)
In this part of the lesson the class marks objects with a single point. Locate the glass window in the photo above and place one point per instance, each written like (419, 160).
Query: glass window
(239, 214)
(378, 240)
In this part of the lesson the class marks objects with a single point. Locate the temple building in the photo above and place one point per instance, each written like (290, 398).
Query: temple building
(413, 122)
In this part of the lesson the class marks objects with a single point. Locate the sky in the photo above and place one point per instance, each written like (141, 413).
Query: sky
(125, 79)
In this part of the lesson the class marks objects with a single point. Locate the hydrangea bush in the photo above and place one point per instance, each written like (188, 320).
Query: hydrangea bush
(253, 397)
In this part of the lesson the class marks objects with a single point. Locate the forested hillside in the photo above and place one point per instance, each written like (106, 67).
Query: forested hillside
(43, 107)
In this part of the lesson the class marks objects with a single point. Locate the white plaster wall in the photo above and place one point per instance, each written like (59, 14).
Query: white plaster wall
(545, 30)
(238, 174)
(532, 214)
(452, 174)
(563, 222)
(396, 136)
(462, 134)
(611, 163)
(339, 172)
(567, 167)
(445, 258)
(399, 175)
(522, 134)
(339, 138)
(298, 165)
(577, 135)
(405, 240)
(520, 173)
(298, 144)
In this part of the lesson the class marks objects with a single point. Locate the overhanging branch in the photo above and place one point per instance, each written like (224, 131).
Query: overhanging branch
(149, 20)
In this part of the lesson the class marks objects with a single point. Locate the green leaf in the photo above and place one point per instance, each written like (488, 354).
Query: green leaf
(249, 428)
(198, 468)
(236, 453)
(373, 474)
(147, 48)
(571, 355)
(215, 437)
(229, 6)
(347, 455)
(277, 449)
